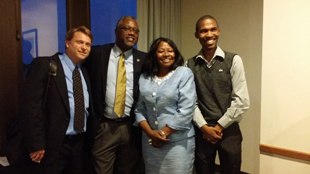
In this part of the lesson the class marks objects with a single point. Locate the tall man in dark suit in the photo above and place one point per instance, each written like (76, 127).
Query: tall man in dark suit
(55, 116)
(114, 149)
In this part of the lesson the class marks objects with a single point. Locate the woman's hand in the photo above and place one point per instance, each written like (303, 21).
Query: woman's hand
(157, 138)
(166, 131)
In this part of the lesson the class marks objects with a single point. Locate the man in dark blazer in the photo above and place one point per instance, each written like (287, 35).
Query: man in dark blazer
(116, 141)
(52, 134)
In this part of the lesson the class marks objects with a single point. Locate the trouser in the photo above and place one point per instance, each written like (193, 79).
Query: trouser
(113, 150)
(228, 148)
(68, 161)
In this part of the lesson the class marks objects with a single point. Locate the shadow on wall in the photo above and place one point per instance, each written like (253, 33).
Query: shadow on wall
(27, 56)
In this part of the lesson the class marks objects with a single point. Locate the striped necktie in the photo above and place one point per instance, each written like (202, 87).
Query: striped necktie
(79, 105)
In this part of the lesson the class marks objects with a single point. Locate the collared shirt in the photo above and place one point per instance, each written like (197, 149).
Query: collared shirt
(68, 67)
(240, 101)
(111, 82)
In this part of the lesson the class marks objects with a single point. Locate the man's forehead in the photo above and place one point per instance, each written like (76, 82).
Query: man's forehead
(205, 24)
(127, 22)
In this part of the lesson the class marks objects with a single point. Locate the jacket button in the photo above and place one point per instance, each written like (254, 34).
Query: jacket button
(154, 109)
(156, 122)
(154, 94)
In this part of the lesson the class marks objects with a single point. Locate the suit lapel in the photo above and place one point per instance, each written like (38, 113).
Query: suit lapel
(61, 84)
(137, 65)
(86, 77)
(136, 60)
(104, 62)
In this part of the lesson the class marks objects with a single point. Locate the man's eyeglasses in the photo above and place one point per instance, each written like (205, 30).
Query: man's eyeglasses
(128, 29)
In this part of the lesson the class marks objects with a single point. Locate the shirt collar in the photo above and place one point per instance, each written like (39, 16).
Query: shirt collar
(69, 62)
(218, 52)
(117, 52)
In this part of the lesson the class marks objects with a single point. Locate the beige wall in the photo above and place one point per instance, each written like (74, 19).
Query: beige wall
(285, 113)
(240, 23)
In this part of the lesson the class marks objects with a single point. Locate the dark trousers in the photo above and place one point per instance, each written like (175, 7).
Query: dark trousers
(68, 161)
(228, 148)
(113, 150)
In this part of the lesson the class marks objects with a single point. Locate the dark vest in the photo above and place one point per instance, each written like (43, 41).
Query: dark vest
(213, 86)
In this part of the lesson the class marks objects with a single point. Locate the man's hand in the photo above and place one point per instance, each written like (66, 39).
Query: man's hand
(37, 156)
(212, 134)
(219, 128)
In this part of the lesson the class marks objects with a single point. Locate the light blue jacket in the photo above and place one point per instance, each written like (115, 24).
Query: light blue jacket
(171, 103)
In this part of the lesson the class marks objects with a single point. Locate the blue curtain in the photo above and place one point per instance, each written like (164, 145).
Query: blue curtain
(62, 25)
(104, 15)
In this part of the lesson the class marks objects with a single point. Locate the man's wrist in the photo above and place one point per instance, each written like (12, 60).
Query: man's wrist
(204, 128)
(219, 127)
(167, 130)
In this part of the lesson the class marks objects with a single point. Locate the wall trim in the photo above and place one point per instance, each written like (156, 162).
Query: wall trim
(285, 152)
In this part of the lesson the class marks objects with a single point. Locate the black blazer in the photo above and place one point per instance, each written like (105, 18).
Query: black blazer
(45, 128)
(97, 65)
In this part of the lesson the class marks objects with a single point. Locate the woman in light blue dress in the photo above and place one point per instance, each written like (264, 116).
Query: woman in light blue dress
(165, 109)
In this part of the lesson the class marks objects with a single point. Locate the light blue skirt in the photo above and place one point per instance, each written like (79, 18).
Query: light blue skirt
(171, 158)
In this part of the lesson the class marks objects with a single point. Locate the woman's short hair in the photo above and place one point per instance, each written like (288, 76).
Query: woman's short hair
(151, 65)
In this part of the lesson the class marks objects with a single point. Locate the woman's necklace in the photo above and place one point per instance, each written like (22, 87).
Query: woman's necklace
(160, 79)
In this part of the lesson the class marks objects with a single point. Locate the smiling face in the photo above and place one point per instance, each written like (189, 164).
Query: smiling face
(127, 34)
(165, 55)
(78, 47)
(207, 32)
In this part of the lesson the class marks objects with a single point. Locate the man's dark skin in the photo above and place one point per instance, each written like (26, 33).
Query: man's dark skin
(207, 31)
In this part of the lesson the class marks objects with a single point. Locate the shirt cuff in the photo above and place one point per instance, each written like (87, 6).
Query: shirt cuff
(198, 118)
(138, 120)
(225, 122)
(136, 124)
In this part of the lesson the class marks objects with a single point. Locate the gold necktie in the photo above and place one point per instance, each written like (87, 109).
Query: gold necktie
(120, 93)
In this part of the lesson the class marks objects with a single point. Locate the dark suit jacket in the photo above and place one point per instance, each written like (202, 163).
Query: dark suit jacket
(44, 127)
(97, 65)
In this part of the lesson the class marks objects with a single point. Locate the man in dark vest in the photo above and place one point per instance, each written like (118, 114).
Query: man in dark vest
(222, 98)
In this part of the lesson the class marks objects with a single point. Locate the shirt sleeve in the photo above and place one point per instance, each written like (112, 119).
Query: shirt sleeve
(198, 119)
(186, 102)
(240, 101)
